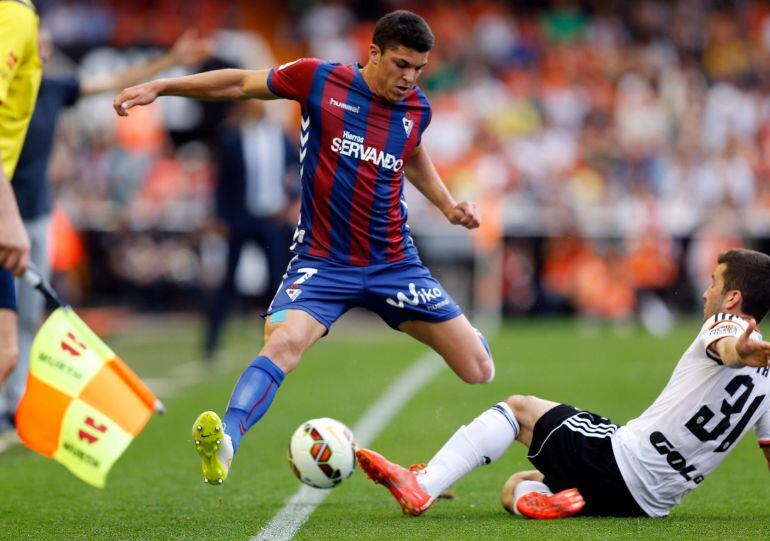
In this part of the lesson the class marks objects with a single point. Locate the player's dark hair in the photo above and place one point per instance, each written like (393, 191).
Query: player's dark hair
(748, 272)
(405, 28)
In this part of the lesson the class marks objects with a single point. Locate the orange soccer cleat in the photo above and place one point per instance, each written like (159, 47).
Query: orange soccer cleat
(543, 506)
(401, 482)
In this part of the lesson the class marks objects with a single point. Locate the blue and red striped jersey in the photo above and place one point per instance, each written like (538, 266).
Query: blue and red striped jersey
(353, 146)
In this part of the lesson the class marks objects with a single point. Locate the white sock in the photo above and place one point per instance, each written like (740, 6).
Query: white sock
(481, 442)
(225, 453)
(525, 487)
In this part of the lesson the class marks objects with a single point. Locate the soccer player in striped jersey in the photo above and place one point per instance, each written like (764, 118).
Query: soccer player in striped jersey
(587, 464)
(20, 73)
(361, 131)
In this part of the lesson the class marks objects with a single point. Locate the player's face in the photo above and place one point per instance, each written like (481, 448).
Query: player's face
(714, 296)
(396, 70)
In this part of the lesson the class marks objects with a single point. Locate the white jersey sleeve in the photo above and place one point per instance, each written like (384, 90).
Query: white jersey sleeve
(762, 430)
(721, 326)
(703, 411)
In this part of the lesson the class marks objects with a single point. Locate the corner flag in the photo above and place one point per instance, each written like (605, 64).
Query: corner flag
(83, 405)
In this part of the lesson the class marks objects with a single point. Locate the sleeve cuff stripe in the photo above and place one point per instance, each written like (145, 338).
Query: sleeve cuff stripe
(713, 357)
(270, 83)
(764, 444)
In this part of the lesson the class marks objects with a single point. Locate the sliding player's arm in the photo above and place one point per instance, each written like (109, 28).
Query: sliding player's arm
(188, 50)
(766, 450)
(226, 84)
(737, 352)
(423, 175)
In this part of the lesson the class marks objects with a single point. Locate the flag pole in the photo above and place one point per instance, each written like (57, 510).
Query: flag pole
(35, 279)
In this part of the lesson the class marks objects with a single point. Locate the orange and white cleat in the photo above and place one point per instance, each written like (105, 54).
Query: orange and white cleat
(401, 482)
(548, 506)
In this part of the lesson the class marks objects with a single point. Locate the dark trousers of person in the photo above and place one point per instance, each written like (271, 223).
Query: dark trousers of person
(274, 237)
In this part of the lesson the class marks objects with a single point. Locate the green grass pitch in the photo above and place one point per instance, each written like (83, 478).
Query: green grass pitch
(155, 491)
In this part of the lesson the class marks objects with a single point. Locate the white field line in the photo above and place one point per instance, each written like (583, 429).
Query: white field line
(301, 505)
(180, 376)
(8, 439)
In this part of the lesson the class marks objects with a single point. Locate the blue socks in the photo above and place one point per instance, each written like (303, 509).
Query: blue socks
(251, 397)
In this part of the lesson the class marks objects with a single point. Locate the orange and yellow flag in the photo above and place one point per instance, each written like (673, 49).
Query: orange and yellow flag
(83, 405)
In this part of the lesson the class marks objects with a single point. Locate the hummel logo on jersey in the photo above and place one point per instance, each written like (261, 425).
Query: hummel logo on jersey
(408, 123)
(351, 108)
(353, 145)
(287, 64)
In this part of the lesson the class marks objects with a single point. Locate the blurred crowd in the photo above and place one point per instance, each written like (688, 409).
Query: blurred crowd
(644, 124)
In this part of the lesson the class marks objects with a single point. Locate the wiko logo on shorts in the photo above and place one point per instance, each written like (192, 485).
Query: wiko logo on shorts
(422, 296)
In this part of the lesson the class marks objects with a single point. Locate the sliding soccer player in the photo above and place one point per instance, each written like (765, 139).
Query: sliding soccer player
(585, 463)
(361, 131)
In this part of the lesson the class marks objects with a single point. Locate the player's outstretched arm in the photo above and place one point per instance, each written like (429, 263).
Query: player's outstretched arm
(423, 175)
(188, 50)
(227, 84)
(744, 351)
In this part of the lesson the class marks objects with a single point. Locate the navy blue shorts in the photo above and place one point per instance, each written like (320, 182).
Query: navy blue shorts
(7, 290)
(397, 292)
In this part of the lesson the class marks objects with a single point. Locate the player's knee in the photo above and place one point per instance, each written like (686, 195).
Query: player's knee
(284, 348)
(519, 404)
(487, 370)
(481, 371)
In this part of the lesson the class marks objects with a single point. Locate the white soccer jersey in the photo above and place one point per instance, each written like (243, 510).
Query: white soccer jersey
(696, 421)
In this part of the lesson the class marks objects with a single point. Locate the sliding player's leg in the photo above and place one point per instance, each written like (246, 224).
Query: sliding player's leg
(481, 442)
(572, 448)
(514, 482)
(526, 494)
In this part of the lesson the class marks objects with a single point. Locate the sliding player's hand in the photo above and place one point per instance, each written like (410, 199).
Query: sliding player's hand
(143, 94)
(465, 214)
(752, 352)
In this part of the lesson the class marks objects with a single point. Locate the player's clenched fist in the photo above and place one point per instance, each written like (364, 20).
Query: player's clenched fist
(465, 214)
(136, 95)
